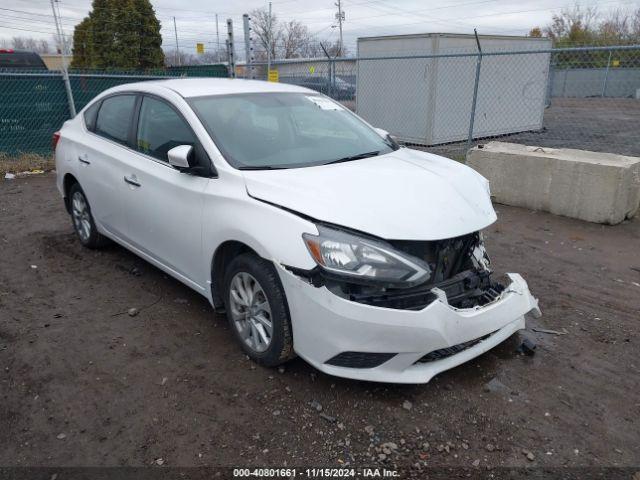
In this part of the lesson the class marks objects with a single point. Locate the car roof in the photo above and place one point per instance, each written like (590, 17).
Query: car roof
(198, 87)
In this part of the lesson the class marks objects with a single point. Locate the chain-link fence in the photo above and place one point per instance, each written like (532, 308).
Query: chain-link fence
(35, 103)
(584, 98)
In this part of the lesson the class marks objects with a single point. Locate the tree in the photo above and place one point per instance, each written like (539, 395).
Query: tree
(535, 32)
(312, 50)
(81, 43)
(615, 28)
(635, 25)
(118, 34)
(573, 26)
(295, 39)
(267, 32)
(577, 26)
(174, 57)
(207, 58)
(212, 56)
(27, 43)
(151, 55)
(334, 48)
(620, 27)
(289, 40)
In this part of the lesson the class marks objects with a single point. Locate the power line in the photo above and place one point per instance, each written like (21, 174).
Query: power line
(36, 25)
(500, 14)
(12, 27)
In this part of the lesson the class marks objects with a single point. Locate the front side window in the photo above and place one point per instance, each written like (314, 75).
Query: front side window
(160, 128)
(114, 117)
(286, 130)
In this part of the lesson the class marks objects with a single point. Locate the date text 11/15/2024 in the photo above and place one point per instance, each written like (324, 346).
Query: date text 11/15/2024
(315, 473)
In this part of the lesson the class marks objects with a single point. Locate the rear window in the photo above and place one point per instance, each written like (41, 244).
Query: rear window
(21, 60)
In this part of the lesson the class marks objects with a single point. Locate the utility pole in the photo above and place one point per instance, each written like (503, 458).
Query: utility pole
(269, 35)
(175, 29)
(217, 40)
(340, 18)
(65, 73)
(248, 47)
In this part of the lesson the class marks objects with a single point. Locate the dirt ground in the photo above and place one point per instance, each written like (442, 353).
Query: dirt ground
(82, 383)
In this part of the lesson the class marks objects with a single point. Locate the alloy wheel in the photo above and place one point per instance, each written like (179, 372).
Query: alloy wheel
(81, 216)
(251, 312)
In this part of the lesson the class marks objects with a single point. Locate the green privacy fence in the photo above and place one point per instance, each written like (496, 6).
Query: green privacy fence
(32, 106)
(34, 103)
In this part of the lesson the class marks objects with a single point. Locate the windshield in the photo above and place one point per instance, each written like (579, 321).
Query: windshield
(286, 130)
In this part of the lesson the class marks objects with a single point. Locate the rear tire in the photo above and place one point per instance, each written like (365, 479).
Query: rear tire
(82, 219)
(257, 310)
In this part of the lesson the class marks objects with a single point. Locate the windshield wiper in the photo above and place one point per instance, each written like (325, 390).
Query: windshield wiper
(260, 167)
(355, 157)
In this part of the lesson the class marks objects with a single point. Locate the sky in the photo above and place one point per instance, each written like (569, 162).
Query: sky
(196, 19)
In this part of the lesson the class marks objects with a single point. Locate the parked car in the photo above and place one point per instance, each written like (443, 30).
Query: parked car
(336, 88)
(20, 59)
(315, 232)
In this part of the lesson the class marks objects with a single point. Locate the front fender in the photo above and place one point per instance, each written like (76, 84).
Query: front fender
(272, 232)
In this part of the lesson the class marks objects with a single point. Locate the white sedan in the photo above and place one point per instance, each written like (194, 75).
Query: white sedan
(315, 232)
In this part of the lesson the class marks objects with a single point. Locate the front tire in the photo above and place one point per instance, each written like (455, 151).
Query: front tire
(82, 218)
(257, 310)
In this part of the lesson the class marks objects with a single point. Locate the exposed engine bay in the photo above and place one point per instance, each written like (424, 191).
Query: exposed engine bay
(460, 275)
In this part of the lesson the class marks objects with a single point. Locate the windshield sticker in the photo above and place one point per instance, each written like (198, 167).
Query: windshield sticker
(325, 103)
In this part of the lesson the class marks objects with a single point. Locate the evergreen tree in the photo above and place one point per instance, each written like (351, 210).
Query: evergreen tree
(81, 45)
(118, 34)
(151, 54)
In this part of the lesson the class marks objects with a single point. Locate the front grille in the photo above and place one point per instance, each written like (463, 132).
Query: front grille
(414, 299)
(359, 359)
(449, 351)
(467, 289)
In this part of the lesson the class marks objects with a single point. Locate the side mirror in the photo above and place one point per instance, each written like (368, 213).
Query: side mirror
(180, 156)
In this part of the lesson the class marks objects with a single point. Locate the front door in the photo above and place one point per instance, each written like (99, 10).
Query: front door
(163, 205)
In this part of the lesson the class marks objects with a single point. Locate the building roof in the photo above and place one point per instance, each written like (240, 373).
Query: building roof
(455, 35)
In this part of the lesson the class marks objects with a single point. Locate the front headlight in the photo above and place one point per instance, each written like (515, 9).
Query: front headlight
(364, 260)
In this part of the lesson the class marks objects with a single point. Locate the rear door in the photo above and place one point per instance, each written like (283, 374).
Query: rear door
(163, 205)
(103, 156)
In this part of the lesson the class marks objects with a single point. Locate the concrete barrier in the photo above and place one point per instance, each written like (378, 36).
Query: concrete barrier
(592, 186)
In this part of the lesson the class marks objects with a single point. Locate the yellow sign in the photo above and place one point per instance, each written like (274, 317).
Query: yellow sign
(312, 69)
(615, 63)
(273, 76)
(200, 47)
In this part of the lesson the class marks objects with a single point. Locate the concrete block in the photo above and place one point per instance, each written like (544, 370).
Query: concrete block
(592, 186)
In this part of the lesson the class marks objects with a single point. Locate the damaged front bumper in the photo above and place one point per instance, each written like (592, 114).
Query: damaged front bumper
(355, 340)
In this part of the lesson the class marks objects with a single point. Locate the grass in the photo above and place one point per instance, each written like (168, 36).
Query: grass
(25, 162)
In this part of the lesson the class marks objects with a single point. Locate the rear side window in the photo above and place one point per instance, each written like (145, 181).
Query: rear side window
(161, 128)
(90, 116)
(114, 117)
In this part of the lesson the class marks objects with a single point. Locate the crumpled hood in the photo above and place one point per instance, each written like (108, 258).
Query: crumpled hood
(403, 195)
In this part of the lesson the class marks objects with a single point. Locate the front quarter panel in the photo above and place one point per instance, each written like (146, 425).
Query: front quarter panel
(275, 234)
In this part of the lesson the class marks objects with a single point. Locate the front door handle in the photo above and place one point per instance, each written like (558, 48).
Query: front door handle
(132, 181)
(83, 159)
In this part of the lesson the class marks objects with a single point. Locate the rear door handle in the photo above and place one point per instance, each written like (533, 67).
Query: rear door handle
(132, 181)
(83, 159)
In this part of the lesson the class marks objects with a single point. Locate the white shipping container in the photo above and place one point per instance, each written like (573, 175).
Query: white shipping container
(428, 101)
